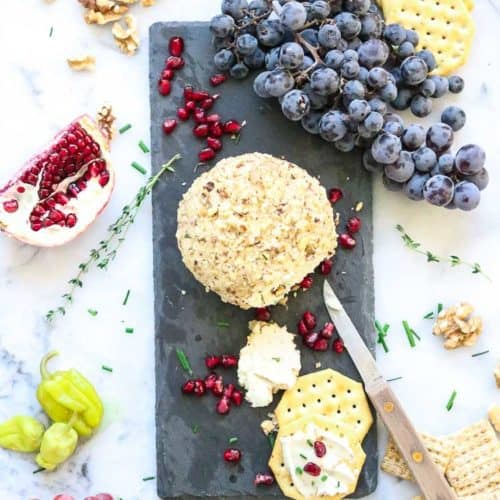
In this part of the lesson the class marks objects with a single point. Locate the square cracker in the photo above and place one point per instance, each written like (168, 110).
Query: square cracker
(439, 448)
(474, 467)
(327, 393)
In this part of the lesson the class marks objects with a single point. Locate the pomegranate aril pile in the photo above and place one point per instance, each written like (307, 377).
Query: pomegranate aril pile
(172, 63)
(317, 340)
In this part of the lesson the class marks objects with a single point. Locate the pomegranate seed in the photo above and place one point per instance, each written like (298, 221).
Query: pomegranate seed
(232, 455)
(169, 125)
(319, 449)
(206, 154)
(10, 206)
(218, 387)
(47, 223)
(320, 345)
(312, 469)
(63, 496)
(188, 387)
(347, 241)
(310, 339)
(306, 283)
(216, 129)
(338, 345)
(207, 103)
(232, 127)
(199, 387)
(200, 95)
(335, 195)
(71, 220)
(21, 189)
(190, 105)
(228, 391)
(167, 74)
(176, 46)
(327, 330)
(212, 362)
(56, 216)
(214, 143)
(302, 328)
(229, 361)
(199, 116)
(262, 314)
(213, 118)
(217, 79)
(353, 225)
(188, 93)
(104, 496)
(210, 380)
(164, 87)
(201, 130)
(309, 319)
(103, 178)
(223, 406)
(36, 226)
(61, 198)
(51, 202)
(263, 479)
(237, 397)
(39, 210)
(326, 267)
(183, 114)
(174, 62)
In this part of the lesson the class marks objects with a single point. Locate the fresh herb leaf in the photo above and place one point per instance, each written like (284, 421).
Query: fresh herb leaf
(410, 333)
(429, 315)
(310, 443)
(324, 478)
(117, 232)
(233, 440)
(139, 167)
(276, 359)
(183, 360)
(129, 330)
(149, 478)
(92, 312)
(195, 429)
(303, 456)
(475, 355)
(439, 308)
(107, 368)
(125, 128)
(381, 334)
(394, 379)
(298, 470)
(125, 300)
(222, 324)
(143, 147)
(271, 438)
(451, 401)
(51, 32)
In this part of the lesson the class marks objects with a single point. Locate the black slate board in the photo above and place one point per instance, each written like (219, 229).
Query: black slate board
(190, 464)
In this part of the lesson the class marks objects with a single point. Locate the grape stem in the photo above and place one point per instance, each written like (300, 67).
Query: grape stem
(313, 50)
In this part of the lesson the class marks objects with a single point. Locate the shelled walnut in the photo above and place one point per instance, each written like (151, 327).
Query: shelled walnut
(127, 38)
(103, 11)
(81, 63)
(497, 375)
(458, 327)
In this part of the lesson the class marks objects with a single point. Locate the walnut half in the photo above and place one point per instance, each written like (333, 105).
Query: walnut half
(127, 38)
(458, 327)
(83, 63)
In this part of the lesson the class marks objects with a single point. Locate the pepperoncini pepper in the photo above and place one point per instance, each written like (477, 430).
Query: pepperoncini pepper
(58, 444)
(21, 433)
(68, 395)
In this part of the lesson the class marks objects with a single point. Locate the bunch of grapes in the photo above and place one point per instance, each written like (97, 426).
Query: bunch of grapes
(337, 68)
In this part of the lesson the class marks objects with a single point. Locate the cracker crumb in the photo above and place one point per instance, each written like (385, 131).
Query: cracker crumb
(318, 364)
(359, 206)
(81, 63)
(494, 416)
(337, 218)
(270, 425)
(458, 327)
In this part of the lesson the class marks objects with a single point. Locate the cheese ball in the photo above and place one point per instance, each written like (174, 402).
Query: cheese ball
(252, 227)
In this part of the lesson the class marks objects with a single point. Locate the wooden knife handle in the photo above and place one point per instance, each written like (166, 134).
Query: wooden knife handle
(427, 475)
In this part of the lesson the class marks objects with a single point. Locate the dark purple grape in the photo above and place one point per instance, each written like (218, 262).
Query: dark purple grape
(429, 59)
(255, 60)
(470, 159)
(320, 9)
(325, 81)
(413, 137)
(270, 32)
(403, 100)
(239, 71)
(329, 36)
(354, 44)
(359, 109)
(348, 24)
(369, 162)
(373, 52)
(414, 188)
(439, 190)
(291, 55)
(354, 89)
(412, 37)
(402, 169)
(467, 196)
(425, 159)
(421, 106)
(334, 58)
(454, 117)
(332, 126)
(378, 105)
(259, 84)
(455, 84)
(235, 8)
(351, 55)
(224, 59)
(279, 82)
(293, 15)
(441, 84)
(358, 7)
(446, 163)
(371, 26)
(377, 78)
(246, 44)
(427, 88)
(439, 137)
(389, 92)
(272, 58)
(295, 104)
(310, 122)
(349, 70)
(310, 35)
(481, 179)
(406, 49)
(394, 34)
(393, 124)
(386, 148)
(222, 25)
(317, 101)
(258, 7)
(414, 70)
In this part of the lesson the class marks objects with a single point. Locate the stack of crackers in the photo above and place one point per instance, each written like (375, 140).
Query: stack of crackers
(470, 460)
(331, 401)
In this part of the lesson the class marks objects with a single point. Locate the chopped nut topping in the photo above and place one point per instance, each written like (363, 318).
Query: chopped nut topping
(127, 39)
(106, 120)
(458, 327)
(494, 416)
(359, 206)
(83, 63)
(104, 11)
(270, 425)
(497, 375)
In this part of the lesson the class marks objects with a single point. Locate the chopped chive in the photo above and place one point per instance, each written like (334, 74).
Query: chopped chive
(92, 312)
(40, 469)
(271, 438)
(125, 300)
(451, 401)
(195, 429)
(139, 168)
(439, 308)
(480, 353)
(298, 470)
(183, 360)
(233, 440)
(324, 478)
(51, 32)
(129, 330)
(310, 443)
(125, 128)
(429, 315)
(410, 333)
(143, 147)
(107, 368)
(394, 379)
(222, 324)
(149, 478)
(303, 456)
(382, 333)
(276, 359)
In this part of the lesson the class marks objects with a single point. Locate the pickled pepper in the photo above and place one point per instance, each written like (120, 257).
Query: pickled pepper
(21, 433)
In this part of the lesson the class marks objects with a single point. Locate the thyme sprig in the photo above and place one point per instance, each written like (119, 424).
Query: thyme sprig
(453, 260)
(108, 248)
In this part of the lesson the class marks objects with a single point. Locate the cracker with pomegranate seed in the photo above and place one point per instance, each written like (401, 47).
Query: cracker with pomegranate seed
(341, 432)
(440, 449)
(252, 227)
(328, 393)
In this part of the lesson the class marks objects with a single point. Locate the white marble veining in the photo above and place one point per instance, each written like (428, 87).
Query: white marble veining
(39, 94)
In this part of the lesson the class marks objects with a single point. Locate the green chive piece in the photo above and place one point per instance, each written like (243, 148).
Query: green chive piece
(222, 324)
(276, 359)
(183, 360)
(51, 32)
(233, 440)
(451, 401)
(92, 312)
(410, 333)
(129, 330)
(475, 355)
(125, 300)
(139, 168)
(107, 368)
(40, 469)
(440, 308)
(149, 478)
(195, 429)
(324, 478)
(271, 438)
(429, 315)
(303, 456)
(125, 128)
(298, 470)
(394, 379)
(310, 443)
(382, 333)
(143, 147)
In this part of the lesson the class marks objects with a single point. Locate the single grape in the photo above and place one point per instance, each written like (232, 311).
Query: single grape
(354, 44)
(413, 137)
(273, 58)
(346, 144)
(306, 63)
(389, 92)
(373, 53)
(481, 179)
(369, 162)
(470, 159)
(310, 35)
(439, 137)
(256, 60)
(394, 34)
(446, 163)
(350, 69)
(406, 49)
(246, 44)
(378, 105)
(425, 159)
(270, 32)
(239, 71)
(222, 25)
(402, 169)
(320, 9)
(359, 109)
(351, 55)
(293, 15)
(325, 81)
(414, 70)
(371, 26)
(429, 59)
(374, 122)
(427, 88)
(455, 84)
(412, 37)
(295, 104)
(259, 84)
(310, 122)
(348, 24)
(393, 124)
(441, 84)
(358, 7)
(391, 185)
(279, 82)
(421, 106)
(224, 59)
(454, 117)
(386, 148)
(353, 89)
(439, 190)
(414, 188)
(403, 100)
(258, 7)
(397, 78)
(363, 74)
(235, 8)
(332, 126)
(329, 36)
(223, 43)
(317, 101)
(378, 78)
(291, 55)
(334, 59)
(467, 196)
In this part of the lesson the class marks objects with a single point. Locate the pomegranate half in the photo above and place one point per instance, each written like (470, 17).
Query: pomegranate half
(59, 192)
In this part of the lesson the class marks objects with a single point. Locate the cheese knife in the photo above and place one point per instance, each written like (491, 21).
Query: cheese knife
(427, 475)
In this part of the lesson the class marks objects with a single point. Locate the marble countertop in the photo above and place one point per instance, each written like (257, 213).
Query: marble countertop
(39, 94)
